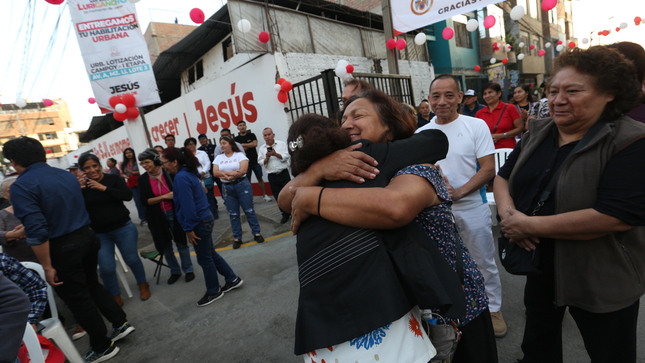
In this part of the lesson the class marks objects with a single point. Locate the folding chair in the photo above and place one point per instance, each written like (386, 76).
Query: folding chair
(157, 258)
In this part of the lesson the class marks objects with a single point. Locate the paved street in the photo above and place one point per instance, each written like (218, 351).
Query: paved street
(256, 322)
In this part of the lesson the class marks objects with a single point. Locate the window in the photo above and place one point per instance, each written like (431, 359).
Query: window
(53, 149)
(524, 38)
(227, 46)
(538, 45)
(196, 72)
(462, 36)
(48, 136)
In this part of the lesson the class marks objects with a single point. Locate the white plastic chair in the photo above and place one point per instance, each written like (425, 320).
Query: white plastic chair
(121, 272)
(54, 329)
(33, 345)
(500, 158)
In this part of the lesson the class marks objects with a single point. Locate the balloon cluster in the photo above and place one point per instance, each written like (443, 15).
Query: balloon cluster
(343, 69)
(394, 43)
(283, 87)
(124, 107)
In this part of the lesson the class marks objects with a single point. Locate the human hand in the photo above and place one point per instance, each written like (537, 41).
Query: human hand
(168, 196)
(455, 194)
(529, 244)
(93, 184)
(192, 238)
(303, 197)
(19, 231)
(514, 226)
(497, 137)
(524, 113)
(52, 277)
(347, 164)
(82, 179)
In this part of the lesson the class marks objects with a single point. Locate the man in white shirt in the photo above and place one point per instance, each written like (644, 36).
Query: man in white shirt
(204, 167)
(274, 156)
(469, 165)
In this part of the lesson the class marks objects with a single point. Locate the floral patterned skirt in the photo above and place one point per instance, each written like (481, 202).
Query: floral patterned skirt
(403, 340)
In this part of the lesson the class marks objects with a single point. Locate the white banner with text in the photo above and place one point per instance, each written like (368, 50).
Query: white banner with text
(409, 15)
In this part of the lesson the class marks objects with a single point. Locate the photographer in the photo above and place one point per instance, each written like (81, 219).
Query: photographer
(274, 156)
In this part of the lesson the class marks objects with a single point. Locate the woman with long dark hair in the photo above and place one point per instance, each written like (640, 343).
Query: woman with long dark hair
(504, 122)
(104, 195)
(130, 171)
(194, 215)
(523, 101)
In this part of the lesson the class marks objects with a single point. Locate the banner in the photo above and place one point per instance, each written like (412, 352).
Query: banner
(409, 15)
(114, 51)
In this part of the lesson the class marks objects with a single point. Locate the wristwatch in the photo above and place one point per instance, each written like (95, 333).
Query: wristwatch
(504, 135)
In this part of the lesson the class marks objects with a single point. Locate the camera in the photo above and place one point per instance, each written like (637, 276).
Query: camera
(269, 148)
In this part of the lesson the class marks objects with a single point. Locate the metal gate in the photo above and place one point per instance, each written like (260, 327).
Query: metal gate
(321, 94)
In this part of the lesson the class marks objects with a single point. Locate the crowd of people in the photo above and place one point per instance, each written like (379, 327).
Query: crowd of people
(390, 213)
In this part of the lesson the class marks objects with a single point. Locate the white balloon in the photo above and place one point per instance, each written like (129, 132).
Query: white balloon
(244, 26)
(341, 72)
(21, 102)
(517, 12)
(507, 48)
(342, 63)
(559, 48)
(472, 25)
(547, 45)
(623, 25)
(134, 1)
(521, 45)
(585, 40)
(277, 87)
(420, 39)
(520, 56)
(120, 108)
(493, 61)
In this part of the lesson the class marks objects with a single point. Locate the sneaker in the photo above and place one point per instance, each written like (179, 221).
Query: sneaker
(499, 325)
(190, 276)
(78, 333)
(94, 357)
(237, 243)
(267, 198)
(143, 223)
(284, 219)
(232, 285)
(207, 299)
(173, 279)
(121, 332)
(259, 238)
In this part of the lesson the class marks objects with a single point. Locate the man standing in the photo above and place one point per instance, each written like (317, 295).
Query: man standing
(170, 140)
(50, 205)
(250, 143)
(425, 114)
(354, 86)
(209, 182)
(471, 105)
(275, 158)
(470, 164)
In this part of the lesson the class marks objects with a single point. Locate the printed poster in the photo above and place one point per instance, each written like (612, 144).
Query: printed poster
(409, 15)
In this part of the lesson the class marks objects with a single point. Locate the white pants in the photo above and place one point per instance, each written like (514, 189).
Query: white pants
(476, 231)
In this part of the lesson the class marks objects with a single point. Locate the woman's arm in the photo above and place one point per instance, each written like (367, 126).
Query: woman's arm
(119, 190)
(159, 199)
(380, 208)
(518, 125)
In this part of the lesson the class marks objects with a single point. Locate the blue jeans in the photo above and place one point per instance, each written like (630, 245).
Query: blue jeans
(210, 261)
(184, 252)
(212, 202)
(141, 209)
(240, 194)
(126, 239)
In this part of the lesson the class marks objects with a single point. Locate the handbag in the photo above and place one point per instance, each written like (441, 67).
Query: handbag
(444, 337)
(515, 259)
(499, 119)
(208, 181)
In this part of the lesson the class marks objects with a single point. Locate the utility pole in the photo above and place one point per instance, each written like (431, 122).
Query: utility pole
(392, 57)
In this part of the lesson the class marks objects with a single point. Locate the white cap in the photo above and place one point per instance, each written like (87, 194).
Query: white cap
(469, 93)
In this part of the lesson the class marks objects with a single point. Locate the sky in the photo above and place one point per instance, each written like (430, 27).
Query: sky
(40, 56)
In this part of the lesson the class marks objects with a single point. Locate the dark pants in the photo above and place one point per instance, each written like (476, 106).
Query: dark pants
(209, 260)
(477, 344)
(608, 337)
(277, 182)
(212, 201)
(75, 258)
(14, 310)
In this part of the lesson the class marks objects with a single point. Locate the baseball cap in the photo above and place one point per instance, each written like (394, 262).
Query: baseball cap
(469, 93)
(73, 166)
(202, 136)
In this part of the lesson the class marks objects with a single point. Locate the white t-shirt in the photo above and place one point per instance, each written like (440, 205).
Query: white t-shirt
(224, 163)
(469, 139)
(204, 162)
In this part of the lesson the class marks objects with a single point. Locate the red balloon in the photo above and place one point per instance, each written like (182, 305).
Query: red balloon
(264, 37)
(605, 32)
(531, 85)
(401, 44)
(489, 21)
(558, 42)
(549, 4)
(572, 45)
(55, 2)
(396, 32)
(531, 47)
(49, 151)
(617, 28)
(478, 68)
(283, 97)
(76, 156)
(638, 19)
(119, 116)
(47, 102)
(448, 33)
(286, 86)
(114, 100)
(505, 60)
(281, 80)
(390, 44)
(541, 52)
(197, 15)
(128, 100)
(349, 69)
(132, 113)
(91, 100)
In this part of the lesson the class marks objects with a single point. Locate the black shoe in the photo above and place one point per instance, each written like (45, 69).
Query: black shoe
(259, 238)
(284, 219)
(143, 223)
(94, 357)
(237, 243)
(173, 279)
(190, 276)
(232, 285)
(121, 332)
(207, 299)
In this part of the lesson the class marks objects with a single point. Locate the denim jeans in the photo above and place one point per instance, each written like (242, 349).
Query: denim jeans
(126, 239)
(184, 252)
(210, 261)
(141, 209)
(212, 201)
(240, 194)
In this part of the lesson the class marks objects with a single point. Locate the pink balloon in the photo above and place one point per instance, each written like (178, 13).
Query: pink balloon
(541, 52)
(489, 22)
(55, 2)
(264, 37)
(401, 44)
(549, 4)
(448, 33)
(197, 15)
(47, 102)
(91, 100)
(390, 44)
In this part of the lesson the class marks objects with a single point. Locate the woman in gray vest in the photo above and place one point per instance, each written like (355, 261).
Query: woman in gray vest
(588, 231)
